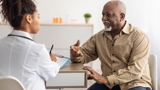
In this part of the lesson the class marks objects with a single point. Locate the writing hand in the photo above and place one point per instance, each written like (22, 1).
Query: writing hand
(96, 76)
(53, 58)
(75, 49)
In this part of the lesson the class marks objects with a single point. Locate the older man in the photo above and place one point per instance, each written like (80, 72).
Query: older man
(122, 49)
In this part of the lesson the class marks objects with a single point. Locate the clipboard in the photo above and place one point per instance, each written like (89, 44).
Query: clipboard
(62, 61)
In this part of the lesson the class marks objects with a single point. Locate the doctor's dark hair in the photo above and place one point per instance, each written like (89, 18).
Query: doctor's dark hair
(13, 11)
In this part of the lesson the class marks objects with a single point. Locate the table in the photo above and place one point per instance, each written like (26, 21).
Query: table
(71, 75)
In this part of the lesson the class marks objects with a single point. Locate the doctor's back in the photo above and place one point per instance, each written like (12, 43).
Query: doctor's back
(20, 56)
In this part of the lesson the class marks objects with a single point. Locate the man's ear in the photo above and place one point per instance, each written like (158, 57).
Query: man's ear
(28, 18)
(122, 16)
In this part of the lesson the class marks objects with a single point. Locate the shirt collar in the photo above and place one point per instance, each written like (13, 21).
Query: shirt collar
(21, 33)
(126, 29)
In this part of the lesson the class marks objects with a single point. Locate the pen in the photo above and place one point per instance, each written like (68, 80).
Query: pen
(61, 56)
(51, 49)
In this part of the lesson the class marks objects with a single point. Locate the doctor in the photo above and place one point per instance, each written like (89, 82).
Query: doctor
(20, 56)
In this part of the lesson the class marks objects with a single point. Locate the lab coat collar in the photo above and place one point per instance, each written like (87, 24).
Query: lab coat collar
(21, 33)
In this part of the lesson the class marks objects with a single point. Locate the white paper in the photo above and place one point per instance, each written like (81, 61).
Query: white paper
(62, 61)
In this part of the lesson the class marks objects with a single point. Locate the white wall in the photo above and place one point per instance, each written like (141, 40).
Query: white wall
(137, 12)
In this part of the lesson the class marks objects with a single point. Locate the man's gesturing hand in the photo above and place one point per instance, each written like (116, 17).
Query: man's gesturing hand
(75, 49)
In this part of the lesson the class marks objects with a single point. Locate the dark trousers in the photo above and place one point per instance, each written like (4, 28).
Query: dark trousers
(97, 86)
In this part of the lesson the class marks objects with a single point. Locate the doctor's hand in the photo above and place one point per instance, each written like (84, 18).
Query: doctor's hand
(75, 50)
(53, 58)
(96, 76)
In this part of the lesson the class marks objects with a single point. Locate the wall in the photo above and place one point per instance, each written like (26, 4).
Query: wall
(137, 13)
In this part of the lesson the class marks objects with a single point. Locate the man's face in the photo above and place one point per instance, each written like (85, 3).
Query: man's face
(110, 18)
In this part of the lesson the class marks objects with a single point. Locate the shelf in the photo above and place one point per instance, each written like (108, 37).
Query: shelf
(63, 24)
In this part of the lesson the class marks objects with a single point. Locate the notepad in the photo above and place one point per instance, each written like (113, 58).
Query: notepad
(62, 61)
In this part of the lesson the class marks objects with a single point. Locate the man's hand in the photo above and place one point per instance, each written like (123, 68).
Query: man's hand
(75, 50)
(97, 77)
(53, 58)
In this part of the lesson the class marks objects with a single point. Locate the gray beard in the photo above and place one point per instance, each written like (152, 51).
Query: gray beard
(107, 29)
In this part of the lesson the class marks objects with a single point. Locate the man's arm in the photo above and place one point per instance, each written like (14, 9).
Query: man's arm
(137, 63)
(86, 53)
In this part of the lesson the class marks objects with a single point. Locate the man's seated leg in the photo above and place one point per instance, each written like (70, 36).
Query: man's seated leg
(116, 87)
(97, 86)
(140, 88)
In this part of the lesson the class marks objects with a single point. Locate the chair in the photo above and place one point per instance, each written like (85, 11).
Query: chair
(10, 83)
(153, 69)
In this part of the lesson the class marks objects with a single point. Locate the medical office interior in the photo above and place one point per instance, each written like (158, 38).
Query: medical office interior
(144, 14)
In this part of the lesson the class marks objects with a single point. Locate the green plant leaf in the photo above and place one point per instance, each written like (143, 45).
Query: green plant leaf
(87, 15)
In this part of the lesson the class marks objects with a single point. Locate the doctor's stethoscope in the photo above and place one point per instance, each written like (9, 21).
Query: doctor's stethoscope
(60, 56)
(20, 36)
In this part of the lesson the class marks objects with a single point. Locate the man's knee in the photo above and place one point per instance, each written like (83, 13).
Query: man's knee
(97, 86)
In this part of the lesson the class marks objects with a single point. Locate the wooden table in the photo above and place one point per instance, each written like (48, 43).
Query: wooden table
(71, 75)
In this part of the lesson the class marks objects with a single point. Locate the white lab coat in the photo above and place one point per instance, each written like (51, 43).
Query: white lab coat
(26, 60)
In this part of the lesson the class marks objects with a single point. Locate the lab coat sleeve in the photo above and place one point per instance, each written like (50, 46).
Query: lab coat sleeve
(45, 67)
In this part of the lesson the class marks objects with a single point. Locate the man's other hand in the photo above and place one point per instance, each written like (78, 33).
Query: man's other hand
(96, 76)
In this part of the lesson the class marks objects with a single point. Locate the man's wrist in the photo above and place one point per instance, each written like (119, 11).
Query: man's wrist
(106, 80)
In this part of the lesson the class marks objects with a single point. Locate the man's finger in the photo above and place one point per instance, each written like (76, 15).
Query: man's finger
(79, 53)
(77, 43)
(72, 48)
(89, 69)
(74, 52)
(91, 76)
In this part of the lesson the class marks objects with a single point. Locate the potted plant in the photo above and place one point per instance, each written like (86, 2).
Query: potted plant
(87, 16)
